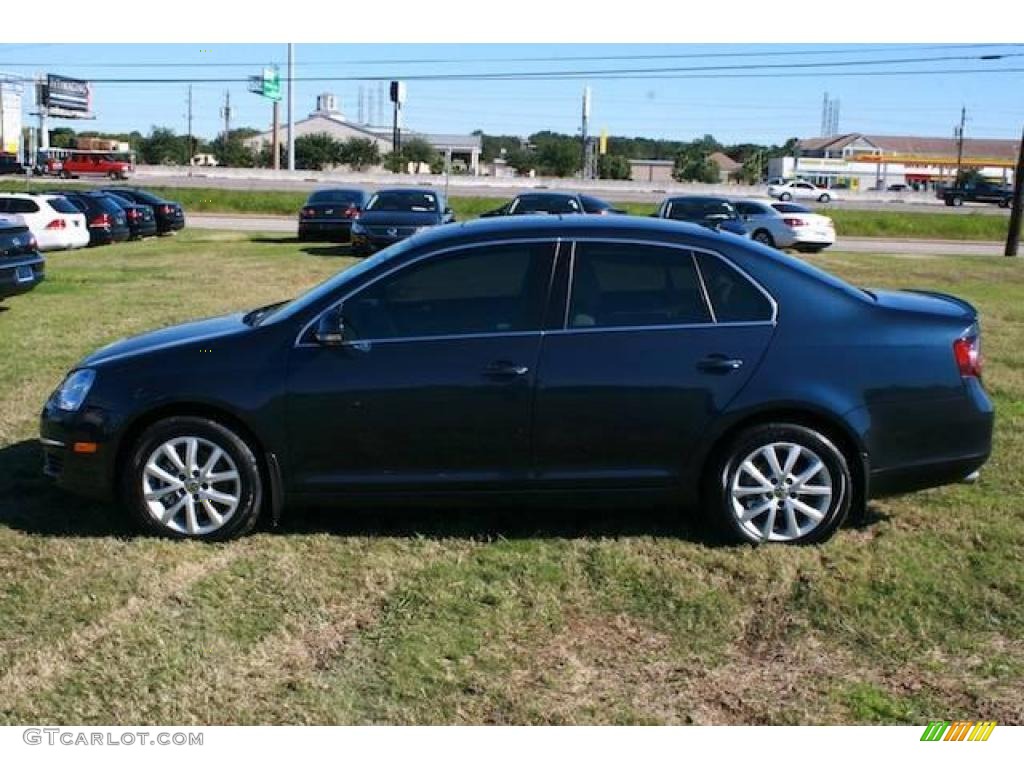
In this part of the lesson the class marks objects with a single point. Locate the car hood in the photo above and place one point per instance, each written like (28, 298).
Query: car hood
(174, 336)
(400, 218)
(928, 302)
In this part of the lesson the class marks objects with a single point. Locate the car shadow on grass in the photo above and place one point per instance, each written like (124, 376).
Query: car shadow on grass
(33, 504)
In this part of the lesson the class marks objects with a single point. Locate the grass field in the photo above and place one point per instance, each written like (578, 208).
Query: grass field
(483, 616)
(849, 223)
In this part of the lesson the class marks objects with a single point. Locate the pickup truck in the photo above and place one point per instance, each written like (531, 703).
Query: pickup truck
(1000, 194)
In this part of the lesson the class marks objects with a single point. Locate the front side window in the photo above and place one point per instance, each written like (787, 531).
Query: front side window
(733, 296)
(482, 290)
(617, 285)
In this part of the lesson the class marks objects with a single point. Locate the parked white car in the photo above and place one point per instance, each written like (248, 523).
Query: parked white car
(55, 222)
(786, 225)
(797, 189)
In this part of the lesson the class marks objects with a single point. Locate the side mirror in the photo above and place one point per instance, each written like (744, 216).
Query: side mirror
(448, 211)
(330, 330)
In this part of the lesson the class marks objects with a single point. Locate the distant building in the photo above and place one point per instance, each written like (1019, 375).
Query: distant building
(655, 171)
(871, 161)
(464, 150)
(727, 167)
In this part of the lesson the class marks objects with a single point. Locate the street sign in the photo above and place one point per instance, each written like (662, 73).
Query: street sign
(271, 83)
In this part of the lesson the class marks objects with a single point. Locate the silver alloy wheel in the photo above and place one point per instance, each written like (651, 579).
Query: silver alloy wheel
(191, 485)
(781, 492)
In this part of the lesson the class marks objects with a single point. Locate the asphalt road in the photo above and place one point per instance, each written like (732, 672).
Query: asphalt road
(287, 225)
(499, 191)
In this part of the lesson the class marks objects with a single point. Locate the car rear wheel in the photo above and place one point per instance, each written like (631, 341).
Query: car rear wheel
(193, 478)
(957, 201)
(764, 237)
(779, 483)
(1004, 203)
(785, 196)
(824, 198)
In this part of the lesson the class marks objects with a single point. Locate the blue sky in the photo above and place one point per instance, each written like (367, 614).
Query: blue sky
(762, 109)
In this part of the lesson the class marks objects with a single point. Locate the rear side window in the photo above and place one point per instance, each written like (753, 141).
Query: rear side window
(21, 205)
(108, 204)
(734, 298)
(61, 205)
(619, 285)
(339, 196)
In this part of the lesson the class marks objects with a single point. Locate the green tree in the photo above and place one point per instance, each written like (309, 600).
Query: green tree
(316, 151)
(522, 160)
(232, 151)
(613, 167)
(693, 161)
(163, 147)
(558, 157)
(62, 137)
(360, 153)
(417, 150)
(394, 162)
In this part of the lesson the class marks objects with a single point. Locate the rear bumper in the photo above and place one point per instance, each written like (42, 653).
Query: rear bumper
(891, 482)
(330, 228)
(56, 240)
(11, 284)
(145, 229)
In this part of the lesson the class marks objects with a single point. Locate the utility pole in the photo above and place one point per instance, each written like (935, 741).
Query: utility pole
(226, 114)
(291, 106)
(960, 144)
(1013, 236)
(585, 171)
(190, 149)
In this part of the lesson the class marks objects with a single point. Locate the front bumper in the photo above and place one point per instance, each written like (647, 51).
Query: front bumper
(90, 474)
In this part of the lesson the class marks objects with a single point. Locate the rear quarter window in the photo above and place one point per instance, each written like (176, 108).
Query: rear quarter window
(734, 298)
(62, 205)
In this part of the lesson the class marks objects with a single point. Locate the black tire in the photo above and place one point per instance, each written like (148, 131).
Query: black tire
(785, 197)
(825, 198)
(764, 237)
(720, 506)
(1004, 203)
(956, 201)
(250, 483)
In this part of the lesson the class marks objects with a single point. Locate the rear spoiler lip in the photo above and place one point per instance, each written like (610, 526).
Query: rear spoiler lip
(967, 306)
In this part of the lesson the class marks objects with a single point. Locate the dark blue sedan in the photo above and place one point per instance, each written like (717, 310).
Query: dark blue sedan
(524, 356)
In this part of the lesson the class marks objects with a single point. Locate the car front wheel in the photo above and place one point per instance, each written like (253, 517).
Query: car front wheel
(193, 478)
(824, 199)
(785, 196)
(782, 483)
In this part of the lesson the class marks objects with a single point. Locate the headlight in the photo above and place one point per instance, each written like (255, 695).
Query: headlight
(76, 386)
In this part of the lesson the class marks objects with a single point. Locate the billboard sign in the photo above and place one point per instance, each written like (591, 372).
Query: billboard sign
(10, 115)
(66, 95)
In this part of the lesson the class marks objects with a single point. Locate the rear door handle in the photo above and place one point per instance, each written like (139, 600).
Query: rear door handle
(502, 369)
(719, 364)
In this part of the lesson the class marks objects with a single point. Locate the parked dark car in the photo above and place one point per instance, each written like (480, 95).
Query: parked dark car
(329, 213)
(538, 356)
(22, 267)
(553, 203)
(10, 165)
(978, 192)
(710, 212)
(392, 215)
(169, 215)
(106, 220)
(141, 219)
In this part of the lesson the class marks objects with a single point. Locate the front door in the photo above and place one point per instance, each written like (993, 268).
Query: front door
(432, 387)
(650, 350)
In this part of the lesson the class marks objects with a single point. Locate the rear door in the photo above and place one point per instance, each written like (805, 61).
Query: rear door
(654, 342)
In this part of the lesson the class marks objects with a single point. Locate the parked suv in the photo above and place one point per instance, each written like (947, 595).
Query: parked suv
(52, 219)
(88, 164)
(980, 192)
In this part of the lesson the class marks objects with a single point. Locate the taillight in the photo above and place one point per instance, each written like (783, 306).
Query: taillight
(32, 244)
(103, 220)
(967, 352)
(351, 212)
(166, 209)
(57, 224)
(133, 213)
(793, 222)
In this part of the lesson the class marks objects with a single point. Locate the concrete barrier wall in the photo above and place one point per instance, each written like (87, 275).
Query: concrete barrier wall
(488, 185)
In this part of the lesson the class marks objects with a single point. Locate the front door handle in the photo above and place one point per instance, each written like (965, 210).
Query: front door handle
(502, 369)
(719, 364)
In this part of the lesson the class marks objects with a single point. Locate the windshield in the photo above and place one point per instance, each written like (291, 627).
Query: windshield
(695, 209)
(342, 196)
(404, 200)
(329, 286)
(546, 204)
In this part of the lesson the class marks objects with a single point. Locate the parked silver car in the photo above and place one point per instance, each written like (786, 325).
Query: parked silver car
(786, 225)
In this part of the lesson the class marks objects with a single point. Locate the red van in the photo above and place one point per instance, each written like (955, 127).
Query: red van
(95, 164)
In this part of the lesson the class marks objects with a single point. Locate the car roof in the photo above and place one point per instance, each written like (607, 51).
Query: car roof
(698, 198)
(409, 189)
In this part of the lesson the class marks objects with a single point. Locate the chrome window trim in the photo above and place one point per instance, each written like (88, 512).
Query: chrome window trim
(704, 288)
(693, 250)
(554, 241)
(676, 327)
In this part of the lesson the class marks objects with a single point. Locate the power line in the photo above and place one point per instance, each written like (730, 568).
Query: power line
(524, 59)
